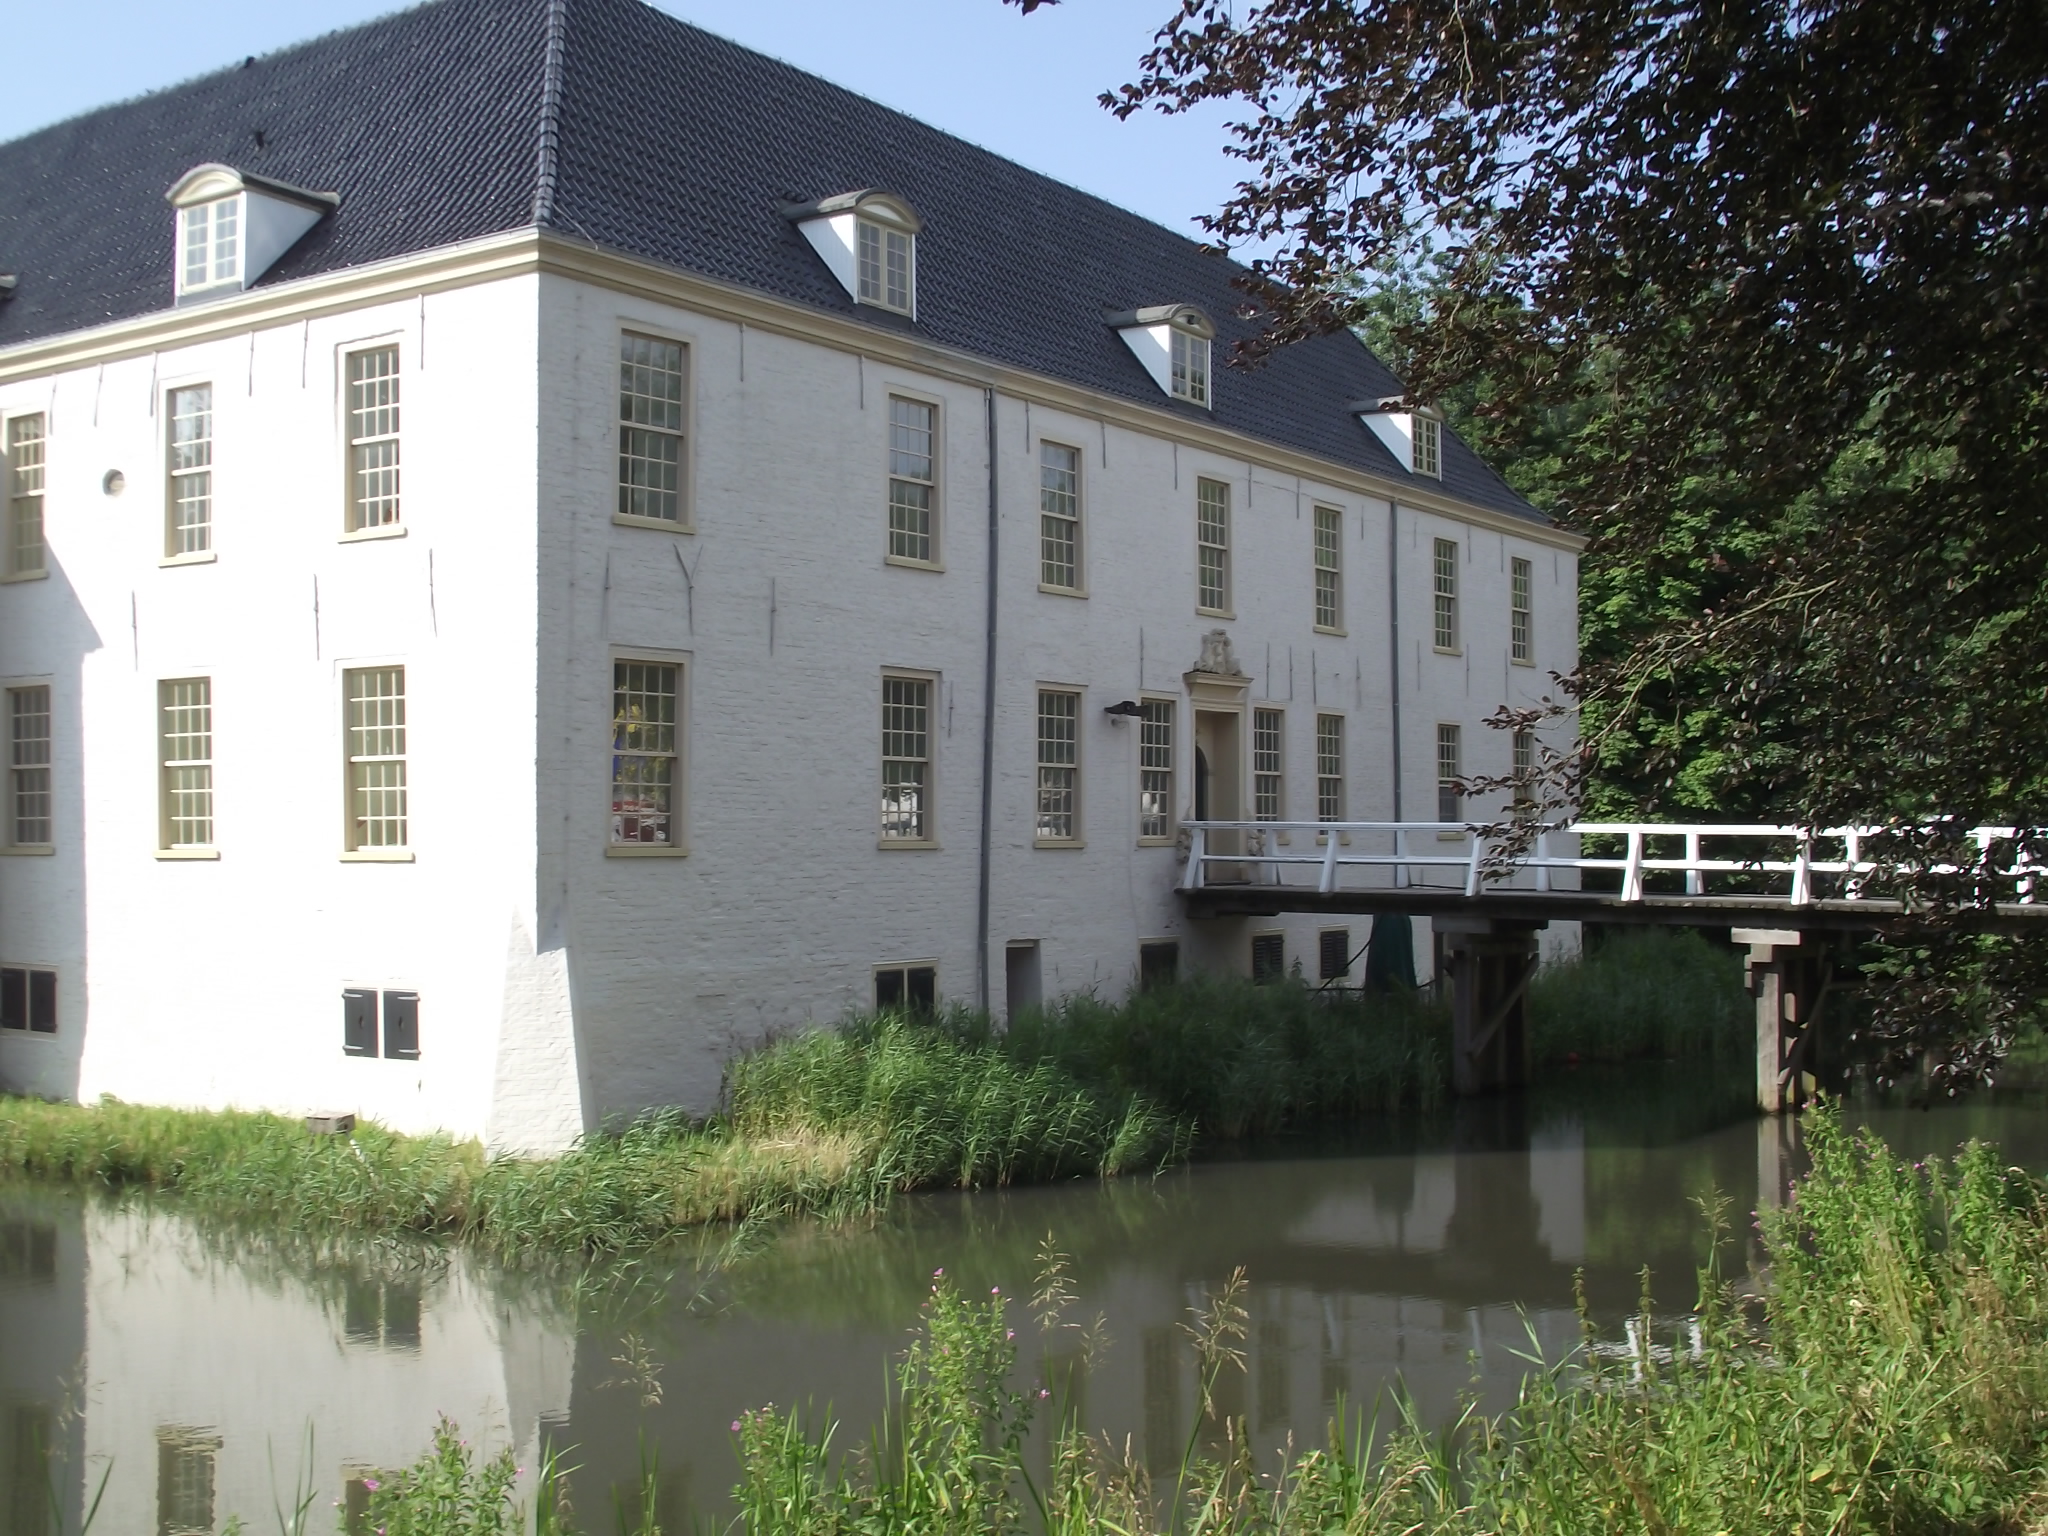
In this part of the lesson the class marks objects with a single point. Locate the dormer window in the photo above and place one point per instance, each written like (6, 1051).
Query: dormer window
(233, 226)
(210, 244)
(1414, 435)
(868, 241)
(1172, 341)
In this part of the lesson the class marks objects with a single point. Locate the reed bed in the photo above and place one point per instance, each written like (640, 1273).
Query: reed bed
(1894, 1380)
(1648, 992)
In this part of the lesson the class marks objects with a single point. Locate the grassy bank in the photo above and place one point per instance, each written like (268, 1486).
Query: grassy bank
(1895, 1381)
(837, 1122)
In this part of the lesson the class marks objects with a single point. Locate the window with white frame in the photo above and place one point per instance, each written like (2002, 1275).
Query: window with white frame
(906, 759)
(189, 471)
(1520, 606)
(913, 481)
(653, 378)
(25, 556)
(373, 438)
(1429, 447)
(1450, 773)
(1155, 769)
(1329, 767)
(1059, 766)
(887, 263)
(1445, 577)
(646, 753)
(185, 736)
(210, 244)
(1190, 363)
(1268, 764)
(28, 757)
(1329, 572)
(1059, 517)
(377, 814)
(1212, 545)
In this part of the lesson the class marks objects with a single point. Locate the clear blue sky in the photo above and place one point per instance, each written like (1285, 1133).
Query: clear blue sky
(1022, 86)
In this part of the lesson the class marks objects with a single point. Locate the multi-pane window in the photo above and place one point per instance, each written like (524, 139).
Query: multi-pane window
(1059, 516)
(1059, 765)
(651, 385)
(25, 496)
(1519, 606)
(1212, 544)
(213, 244)
(1155, 768)
(906, 988)
(645, 758)
(28, 1001)
(373, 439)
(906, 759)
(1268, 764)
(885, 267)
(28, 756)
(1450, 774)
(1525, 771)
(190, 471)
(184, 1481)
(1445, 575)
(1429, 446)
(1329, 573)
(913, 486)
(1329, 767)
(376, 758)
(1190, 367)
(185, 734)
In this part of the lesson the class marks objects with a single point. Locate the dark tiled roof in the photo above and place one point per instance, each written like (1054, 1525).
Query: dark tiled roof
(670, 144)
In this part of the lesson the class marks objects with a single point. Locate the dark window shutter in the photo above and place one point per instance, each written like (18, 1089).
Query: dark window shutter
(924, 988)
(42, 1002)
(888, 990)
(13, 998)
(358, 1022)
(1158, 964)
(1269, 956)
(402, 1025)
(1336, 953)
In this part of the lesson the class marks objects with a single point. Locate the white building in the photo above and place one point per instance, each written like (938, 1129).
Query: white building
(505, 569)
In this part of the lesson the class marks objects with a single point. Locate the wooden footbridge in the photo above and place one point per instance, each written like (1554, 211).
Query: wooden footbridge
(1781, 890)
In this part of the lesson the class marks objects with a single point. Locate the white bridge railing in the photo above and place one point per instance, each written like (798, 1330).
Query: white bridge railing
(1450, 854)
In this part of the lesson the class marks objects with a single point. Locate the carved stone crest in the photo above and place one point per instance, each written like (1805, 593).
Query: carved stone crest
(1216, 655)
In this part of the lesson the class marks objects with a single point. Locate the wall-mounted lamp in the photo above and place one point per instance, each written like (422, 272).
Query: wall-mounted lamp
(1127, 710)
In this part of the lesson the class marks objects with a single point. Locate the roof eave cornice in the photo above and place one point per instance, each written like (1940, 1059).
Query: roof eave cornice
(527, 251)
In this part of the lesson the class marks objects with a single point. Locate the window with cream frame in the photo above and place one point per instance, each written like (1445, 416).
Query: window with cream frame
(907, 777)
(29, 791)
(1444, 593)
(654, 444)
(1450, 774)
(1189, 364)
(649, 732)
(1269, 764)
(1428, 453)
(1329, 538)
(378, 816)
(885, 261)
(371, 380)
(913, 481)
(1058, 820)
(1212, 547)
(188, 472)
(1329, 767)
(1155, 770)
(1059, 519)
(1521, 643)
(210, 245)
(185, 765)
(24, 443)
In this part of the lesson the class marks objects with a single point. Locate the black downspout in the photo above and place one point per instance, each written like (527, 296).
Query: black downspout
(988, 726)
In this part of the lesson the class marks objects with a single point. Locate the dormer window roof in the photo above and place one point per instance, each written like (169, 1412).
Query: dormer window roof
(868, 241)
(1413, 434)
(233, 226)
(1172, 341)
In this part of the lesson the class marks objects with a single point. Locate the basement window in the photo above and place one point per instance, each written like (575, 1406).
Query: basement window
(28, 999)
(1269, 956)
(369, 1016)
(1333, 953)
(1158, 964)
(912, 988)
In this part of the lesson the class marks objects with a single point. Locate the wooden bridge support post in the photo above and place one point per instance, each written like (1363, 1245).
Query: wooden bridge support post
(1786, 980)
(1492, 963)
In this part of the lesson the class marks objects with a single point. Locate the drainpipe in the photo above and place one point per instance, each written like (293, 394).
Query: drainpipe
(988, 726)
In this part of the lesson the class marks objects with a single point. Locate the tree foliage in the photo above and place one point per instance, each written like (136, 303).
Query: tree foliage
(1753, 292)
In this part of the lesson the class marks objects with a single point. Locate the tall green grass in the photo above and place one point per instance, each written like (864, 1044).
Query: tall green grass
(1645, 992)
(1895, 1380)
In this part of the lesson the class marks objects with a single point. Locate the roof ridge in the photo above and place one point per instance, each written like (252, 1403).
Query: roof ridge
(546, 159)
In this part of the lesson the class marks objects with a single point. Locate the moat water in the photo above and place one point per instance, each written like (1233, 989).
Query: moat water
(203, 1373)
